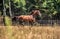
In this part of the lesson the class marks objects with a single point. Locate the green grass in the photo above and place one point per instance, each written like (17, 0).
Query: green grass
(8, 21)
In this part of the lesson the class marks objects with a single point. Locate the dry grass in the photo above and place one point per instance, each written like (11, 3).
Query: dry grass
(28, 32)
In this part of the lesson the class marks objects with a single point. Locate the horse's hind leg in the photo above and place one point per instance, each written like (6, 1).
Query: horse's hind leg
(20, 22)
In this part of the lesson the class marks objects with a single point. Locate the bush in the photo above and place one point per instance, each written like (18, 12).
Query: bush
(8, 21)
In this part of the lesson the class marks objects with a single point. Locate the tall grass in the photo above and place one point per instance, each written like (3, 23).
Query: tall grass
(28, 32)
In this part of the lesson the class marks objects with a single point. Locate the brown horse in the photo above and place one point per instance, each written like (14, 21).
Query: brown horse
(26, 19)
(29, 18)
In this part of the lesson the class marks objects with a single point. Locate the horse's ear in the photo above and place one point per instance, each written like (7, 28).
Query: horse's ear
(31, 13)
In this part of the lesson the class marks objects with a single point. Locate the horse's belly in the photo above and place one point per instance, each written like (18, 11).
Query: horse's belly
(27, 18)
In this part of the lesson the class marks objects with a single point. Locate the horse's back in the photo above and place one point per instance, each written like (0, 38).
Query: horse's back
(26, 16)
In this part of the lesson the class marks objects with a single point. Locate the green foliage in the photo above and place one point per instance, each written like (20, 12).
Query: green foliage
(20, 3)
(7, 3)
(49, 7)
(8, 21)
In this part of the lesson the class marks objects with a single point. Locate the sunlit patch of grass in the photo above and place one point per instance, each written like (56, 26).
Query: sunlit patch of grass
(8, 21)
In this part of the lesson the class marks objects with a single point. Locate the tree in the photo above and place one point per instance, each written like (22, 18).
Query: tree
(10, 8)
(49, 7)
(4, 9)
(6, 19)
(20, 4)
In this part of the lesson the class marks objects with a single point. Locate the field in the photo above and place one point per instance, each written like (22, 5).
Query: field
(29, 32)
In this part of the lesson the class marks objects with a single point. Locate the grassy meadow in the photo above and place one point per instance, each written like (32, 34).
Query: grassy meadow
(29, 32)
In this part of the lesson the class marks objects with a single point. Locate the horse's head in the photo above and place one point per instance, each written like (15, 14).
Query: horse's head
(36, 13)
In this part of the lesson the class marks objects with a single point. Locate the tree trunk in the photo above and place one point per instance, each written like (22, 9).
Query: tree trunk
(4, 12)
(4, 9)
(10, 8)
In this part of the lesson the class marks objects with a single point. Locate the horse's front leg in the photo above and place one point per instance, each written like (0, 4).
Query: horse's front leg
(31, 22)
(26, 22)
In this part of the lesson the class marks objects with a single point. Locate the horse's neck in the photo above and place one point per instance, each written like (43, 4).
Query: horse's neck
(32, 15)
